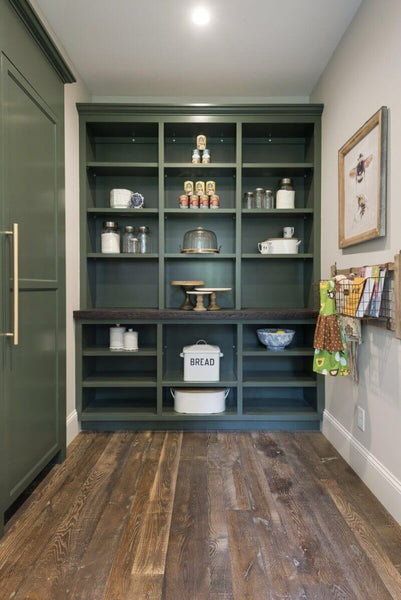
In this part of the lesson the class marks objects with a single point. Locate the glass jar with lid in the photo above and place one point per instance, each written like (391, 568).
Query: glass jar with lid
(144, 240)
(130, 241)
(259, 197)
(110, 238)
(268, 200)
(248, 200)
(285, 197)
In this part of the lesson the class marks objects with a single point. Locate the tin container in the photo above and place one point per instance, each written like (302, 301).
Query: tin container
(202, 401)
(210, 188)
(204, 201)
(201, 362)
(184, 201)
(201, 142)
(200, 188)
(188, 188)
(206, 156)
(194, 201)
(214, 201)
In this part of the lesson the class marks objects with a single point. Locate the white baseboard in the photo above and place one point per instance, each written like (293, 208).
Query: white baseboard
(73, 427)
(384, 485)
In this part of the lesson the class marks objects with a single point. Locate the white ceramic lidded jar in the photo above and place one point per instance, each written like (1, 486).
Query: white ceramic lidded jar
(117, 337)
(131, 340)
(285, 197)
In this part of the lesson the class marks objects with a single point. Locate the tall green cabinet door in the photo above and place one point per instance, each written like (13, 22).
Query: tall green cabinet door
(32, 305)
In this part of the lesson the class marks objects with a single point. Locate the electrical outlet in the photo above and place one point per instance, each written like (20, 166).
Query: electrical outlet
(361, 418)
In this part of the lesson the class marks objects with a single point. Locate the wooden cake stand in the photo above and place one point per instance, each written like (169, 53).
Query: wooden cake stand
(199, 299)
(186, 287)
(213, 304)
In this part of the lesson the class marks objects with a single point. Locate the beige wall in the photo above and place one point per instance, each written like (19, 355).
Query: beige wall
(76, 92)
(363, 75)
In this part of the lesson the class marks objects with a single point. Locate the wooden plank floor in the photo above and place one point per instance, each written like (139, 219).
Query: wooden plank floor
(201, 516)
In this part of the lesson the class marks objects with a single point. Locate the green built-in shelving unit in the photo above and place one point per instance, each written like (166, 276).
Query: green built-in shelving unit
(148, 148)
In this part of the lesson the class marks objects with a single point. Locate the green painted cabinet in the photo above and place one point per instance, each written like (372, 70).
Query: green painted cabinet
(32, 298)
(148, 148)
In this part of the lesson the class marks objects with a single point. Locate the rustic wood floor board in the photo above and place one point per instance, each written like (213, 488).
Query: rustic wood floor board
(248, 570)
(187, 574)
(277, 545)
(322, 457)
(201, 516)
(64, 552)
(220, 563)
(119, 580)
(235, 491)
(91, 577)
(361, 575)
(25, 541)
(362, 531)
(305, 540)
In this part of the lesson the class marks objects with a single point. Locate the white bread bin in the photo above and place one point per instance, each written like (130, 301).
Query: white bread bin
(201, 362)
(199, 402)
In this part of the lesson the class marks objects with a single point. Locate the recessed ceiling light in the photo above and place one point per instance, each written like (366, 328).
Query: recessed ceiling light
(201, 16)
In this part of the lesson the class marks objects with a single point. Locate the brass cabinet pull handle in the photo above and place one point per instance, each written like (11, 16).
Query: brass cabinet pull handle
(15, 333)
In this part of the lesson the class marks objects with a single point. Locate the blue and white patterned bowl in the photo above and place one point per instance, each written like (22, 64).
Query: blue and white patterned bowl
(274, 340)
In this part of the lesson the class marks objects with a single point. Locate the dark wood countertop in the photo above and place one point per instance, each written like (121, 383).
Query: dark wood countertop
(172, 314)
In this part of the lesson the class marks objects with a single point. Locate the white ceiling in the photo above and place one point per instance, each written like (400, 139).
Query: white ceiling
(152, 48)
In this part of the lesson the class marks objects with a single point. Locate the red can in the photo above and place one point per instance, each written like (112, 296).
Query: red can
(184, 201)
(204, 201)
(214, 201)
(194, 201)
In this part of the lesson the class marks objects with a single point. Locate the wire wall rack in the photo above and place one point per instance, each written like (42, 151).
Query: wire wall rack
(370, 293)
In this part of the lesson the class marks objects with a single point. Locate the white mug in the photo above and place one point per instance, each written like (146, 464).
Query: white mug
(288, 232)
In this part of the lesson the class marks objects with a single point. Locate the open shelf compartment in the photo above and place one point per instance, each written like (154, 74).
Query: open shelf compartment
(298, 403)
(124, 404)
(122, 142)
(277, 142)
(180, 140)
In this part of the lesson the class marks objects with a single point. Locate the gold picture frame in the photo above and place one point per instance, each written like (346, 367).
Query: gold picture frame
(362, 186)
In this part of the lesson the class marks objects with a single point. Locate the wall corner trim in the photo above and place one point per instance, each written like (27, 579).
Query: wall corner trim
(73, 427)
(382, 483)
(36, 28)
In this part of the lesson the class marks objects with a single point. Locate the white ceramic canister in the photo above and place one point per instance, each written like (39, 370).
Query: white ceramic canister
(199, 402)
(120, 198)
(279, 246)
(285, 197)
(131, 340)
(117, 337)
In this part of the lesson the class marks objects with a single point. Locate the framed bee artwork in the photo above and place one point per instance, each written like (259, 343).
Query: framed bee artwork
(362, 173)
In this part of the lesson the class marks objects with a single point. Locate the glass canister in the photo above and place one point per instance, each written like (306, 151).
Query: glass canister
(130, 241)
(268, 199)
(110, 238)
(259, 197)
(144, 240)
(248, 200)
(285, 197)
